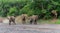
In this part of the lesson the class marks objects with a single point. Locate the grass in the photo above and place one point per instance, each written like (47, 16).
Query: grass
(58, 21)
(55, 21)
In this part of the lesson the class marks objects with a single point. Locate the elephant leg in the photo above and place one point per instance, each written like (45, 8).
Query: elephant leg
(31, 21)
(23, 22)
(10, 22)
(35, 21)
(14, 22)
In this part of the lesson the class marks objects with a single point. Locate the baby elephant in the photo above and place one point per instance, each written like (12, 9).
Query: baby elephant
(33, 19)
(11, 19)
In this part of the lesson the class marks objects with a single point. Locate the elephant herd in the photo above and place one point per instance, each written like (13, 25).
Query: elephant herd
(32, 19)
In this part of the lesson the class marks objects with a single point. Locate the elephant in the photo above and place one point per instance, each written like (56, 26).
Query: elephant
(11, 19)
(33, 19)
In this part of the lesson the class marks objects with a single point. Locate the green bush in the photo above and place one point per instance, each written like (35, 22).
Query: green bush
(29, 7)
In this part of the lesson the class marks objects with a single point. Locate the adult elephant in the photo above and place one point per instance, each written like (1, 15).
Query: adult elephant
(24, 18)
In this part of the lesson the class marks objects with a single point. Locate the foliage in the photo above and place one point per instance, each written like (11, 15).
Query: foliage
(29, 7)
